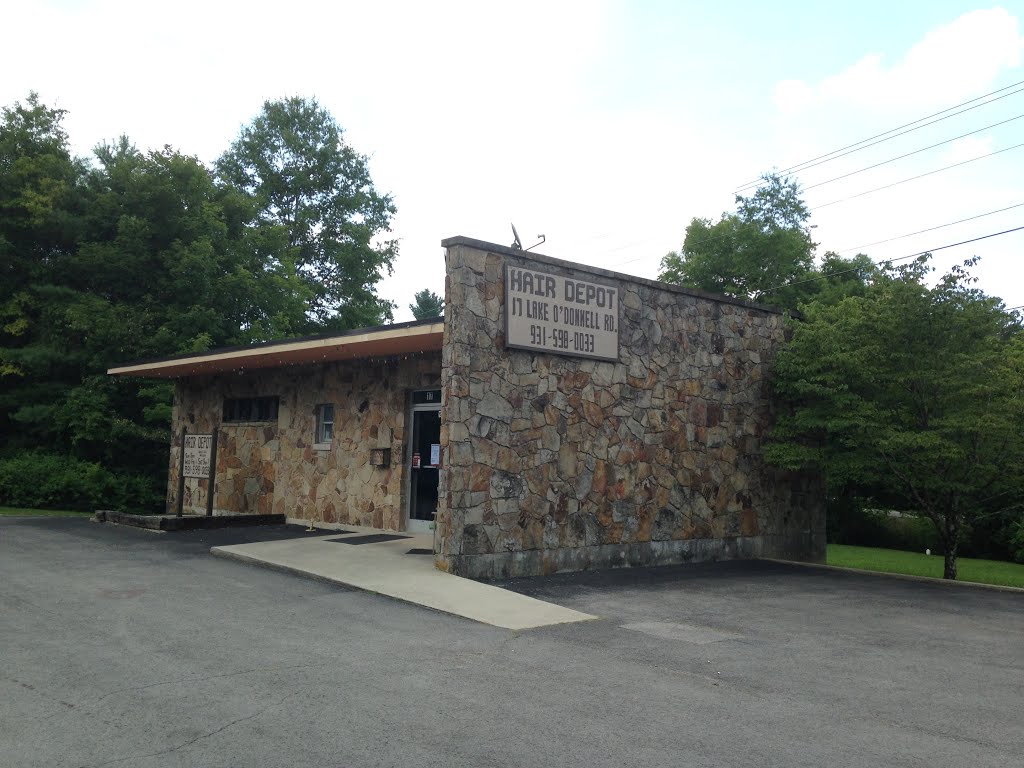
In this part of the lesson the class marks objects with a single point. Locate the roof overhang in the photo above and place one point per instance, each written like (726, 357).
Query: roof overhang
(386, 341)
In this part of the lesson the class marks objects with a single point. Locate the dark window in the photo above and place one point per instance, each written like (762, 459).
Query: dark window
(251, 409)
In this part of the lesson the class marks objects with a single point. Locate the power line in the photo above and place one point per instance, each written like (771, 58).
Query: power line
(624, 247)
(886, 261)
(919, 176)
(898, 258)
(630, 261)
(930, 229)
(828, 155)
(915, 152)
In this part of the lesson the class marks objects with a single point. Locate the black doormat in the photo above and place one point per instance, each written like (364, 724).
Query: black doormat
(322, 531)
(373, 538)
(420, 551)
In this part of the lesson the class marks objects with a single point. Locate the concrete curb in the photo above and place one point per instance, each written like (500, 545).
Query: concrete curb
(185, 522)
(903, 576)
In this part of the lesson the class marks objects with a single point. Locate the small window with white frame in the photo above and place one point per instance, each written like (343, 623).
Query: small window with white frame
(324, 424)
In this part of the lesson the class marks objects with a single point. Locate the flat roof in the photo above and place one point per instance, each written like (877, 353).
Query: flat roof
(381, 341)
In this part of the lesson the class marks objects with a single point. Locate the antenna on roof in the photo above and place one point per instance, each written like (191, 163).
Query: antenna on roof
(517, 244)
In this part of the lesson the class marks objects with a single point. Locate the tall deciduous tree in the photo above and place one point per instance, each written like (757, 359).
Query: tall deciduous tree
(914, 391)
(142, 254)
(153, 267)
(40, 220)
(39, 206)
(752, 253)
(427, 304)
(136, 255)
(310, 185)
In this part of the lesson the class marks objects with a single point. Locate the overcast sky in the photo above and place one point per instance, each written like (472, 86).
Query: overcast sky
(606, 126)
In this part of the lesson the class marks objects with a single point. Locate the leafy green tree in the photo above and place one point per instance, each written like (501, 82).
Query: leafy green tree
(138, 255)
(135, 255)
(915, 392)
(150, 270)
(427, 304)
(837, 278)
(320, 219)
(40, 219)
(751, 254)
(38, 204)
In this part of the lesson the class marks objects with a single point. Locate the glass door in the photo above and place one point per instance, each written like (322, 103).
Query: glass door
(424, 460)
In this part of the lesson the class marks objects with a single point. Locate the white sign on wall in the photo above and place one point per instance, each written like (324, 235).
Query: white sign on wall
(545, 312)
(197, 455)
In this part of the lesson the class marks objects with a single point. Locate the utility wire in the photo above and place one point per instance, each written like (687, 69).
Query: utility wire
(865, 245)
(829, 155)
(629, 261)
(919, 176)
(930, 229)
(915, 152)
(889, 261)
(884, 261)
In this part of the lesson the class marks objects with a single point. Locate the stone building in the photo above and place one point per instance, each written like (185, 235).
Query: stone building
(560, 417)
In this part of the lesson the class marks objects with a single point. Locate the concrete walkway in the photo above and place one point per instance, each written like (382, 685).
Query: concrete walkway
(386, 568)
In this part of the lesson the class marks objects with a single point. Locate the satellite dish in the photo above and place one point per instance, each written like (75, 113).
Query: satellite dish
(517, 243)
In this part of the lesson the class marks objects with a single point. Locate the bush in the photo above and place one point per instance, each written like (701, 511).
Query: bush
(48, 481)
(994, 537)
(851, 523)
(1017, 540)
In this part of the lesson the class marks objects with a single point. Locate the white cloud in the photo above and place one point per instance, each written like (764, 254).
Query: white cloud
(968, 148)
(793, 95)
(963, 59)
(950, 63)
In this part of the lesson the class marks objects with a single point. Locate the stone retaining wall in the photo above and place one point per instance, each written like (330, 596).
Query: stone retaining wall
(560, 463)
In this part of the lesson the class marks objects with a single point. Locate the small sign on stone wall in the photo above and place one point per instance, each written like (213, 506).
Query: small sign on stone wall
(564, 316)
(196, 462)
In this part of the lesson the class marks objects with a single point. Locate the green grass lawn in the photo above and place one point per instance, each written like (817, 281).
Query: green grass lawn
(25, 512)
(920, 564)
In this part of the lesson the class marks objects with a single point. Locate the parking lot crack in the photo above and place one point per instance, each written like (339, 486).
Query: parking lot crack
(200, 737)
(201, 679)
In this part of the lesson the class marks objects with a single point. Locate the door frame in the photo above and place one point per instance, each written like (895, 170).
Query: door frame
(410, 525)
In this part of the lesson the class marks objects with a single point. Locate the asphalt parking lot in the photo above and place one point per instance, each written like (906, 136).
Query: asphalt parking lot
(126, 647)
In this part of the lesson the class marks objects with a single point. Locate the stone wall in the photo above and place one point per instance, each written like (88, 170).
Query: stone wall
(561, 463)
(273, 467)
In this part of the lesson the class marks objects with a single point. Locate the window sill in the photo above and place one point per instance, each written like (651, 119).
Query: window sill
(321, 446)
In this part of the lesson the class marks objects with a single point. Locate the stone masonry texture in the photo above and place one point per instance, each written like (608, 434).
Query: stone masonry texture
(275, 467)
(558, 463)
